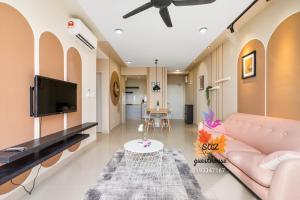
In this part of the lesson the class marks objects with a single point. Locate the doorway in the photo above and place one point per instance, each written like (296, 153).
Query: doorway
(99, 101)
(176, 96)
(135, 91)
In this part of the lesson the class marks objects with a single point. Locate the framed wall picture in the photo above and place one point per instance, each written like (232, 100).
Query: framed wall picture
(249, 65)
(202, 82)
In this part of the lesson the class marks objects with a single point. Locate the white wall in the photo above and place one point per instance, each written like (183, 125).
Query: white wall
(49, 15)
(135, 71)
(222, 61)
(111, 114)
(103, 68)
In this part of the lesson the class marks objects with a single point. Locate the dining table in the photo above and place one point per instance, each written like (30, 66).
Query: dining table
(157, 113)
(162, 111)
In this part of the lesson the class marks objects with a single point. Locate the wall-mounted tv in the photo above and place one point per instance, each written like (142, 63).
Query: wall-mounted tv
(50, 96)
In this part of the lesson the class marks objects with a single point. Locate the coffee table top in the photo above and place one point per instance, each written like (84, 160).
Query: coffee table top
(137, 146)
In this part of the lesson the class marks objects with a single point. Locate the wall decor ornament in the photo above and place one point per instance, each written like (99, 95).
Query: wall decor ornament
(201, 82)
(249, 65)
(115, 88)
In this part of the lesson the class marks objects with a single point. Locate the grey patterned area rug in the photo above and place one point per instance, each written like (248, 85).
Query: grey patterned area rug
(176, 181)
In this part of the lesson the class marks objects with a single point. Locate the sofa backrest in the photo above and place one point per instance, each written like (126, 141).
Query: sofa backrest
(266, 134)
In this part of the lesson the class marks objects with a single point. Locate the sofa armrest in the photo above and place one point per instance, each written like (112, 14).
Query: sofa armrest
(286, 180)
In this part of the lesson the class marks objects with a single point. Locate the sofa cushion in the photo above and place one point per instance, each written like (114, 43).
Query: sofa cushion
(272, 160)
(266, 134)
(235, 145)
(248, 162)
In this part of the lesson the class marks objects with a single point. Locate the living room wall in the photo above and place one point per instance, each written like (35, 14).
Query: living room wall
(36, 41)
(261, 27)
(16, 75)
(283, 91)
(251, 91)
(111, 115)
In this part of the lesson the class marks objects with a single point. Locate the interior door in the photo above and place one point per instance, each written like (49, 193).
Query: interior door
(176, 100)
(99, 102)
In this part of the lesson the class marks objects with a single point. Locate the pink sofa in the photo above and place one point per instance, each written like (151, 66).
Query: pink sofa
(250, 139)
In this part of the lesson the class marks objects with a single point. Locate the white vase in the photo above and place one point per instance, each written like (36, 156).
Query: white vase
(157, 108)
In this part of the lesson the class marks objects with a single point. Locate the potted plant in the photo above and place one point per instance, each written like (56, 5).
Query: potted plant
(157, 105)
(207, 91)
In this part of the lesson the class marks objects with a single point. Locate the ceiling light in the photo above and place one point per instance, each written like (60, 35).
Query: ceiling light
(119, 31)
(128, 62)
(208, 47)
(203, 30)
(177, 70)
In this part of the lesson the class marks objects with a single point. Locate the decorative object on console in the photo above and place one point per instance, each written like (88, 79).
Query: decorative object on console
(249, 65)
(157, 105)
(145, 140)
(202, 82)
(115, 88)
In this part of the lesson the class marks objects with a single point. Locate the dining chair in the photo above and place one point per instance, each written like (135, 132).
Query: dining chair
(165, 121)
(149, 121)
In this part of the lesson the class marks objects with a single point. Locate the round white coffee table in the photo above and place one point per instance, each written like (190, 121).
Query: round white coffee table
(143, 159)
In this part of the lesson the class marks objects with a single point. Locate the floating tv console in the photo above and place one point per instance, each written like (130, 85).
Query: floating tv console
(40, 150)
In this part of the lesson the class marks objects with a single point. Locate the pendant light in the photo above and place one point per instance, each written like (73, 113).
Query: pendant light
(156, 87)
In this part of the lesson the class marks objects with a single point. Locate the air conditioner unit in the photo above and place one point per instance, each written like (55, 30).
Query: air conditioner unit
(77, 28)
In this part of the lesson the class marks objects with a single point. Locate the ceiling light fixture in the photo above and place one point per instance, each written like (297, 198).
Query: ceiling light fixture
(231, 26)
(177, 70)
(203, 30)
(156, 87)
(119, 31)
(128, 62)
(208, 47)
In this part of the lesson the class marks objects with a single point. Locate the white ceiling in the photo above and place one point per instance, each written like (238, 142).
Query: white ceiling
(146, 37)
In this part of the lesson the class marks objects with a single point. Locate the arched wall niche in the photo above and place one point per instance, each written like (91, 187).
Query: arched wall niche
(74, 69)
(17, 72)
(74, 74)
(251, 91)
(51, 57)
(283, 60)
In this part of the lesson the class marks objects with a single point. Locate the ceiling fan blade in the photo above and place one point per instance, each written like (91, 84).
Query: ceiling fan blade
(138, 10)
(165, 15)
(191, 2)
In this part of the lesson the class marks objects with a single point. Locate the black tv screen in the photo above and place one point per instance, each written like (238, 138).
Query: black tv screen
(53, 96)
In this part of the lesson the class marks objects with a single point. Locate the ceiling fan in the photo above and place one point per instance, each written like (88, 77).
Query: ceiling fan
(163, 7)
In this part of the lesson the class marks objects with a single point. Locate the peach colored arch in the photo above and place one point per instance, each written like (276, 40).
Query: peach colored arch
(251, 91)
(51, 65)
(74, 69)
(17, 72)
(283, 84)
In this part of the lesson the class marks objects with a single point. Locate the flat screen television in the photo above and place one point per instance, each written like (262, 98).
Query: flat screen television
(51, 96)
